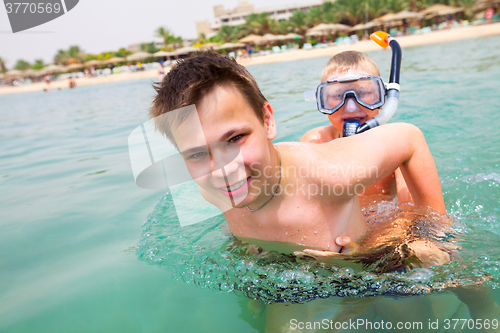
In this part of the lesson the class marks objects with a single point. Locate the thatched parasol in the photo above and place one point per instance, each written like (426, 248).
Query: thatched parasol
(13, 73)
(364, 26)
(52, 69)
(384, 18)
(93, 63)
(139, 56)
(440, 10)
(405, 15)
(291, 35)
(229, 46)
(270, 38)
(30, 72)
(251, 39)
(114, 60)
(185, 50)
(162, 54)
(323, 28)
(74, 66)
(485, 4)
(209, 46)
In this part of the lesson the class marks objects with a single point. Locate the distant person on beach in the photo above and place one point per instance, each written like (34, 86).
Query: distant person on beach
(161, 72)
(71, 82)
(46, 78)
(489, 14)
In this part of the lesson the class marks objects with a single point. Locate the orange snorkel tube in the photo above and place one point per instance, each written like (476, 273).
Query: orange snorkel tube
(384, 39)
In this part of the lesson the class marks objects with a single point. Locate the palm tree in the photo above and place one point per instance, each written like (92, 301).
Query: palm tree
(397, 5)
(164, 33)
(351, 11)
(39, 64)
(75, 54)
(3, 69)
(315, 16)
(260, 24)
(61, 57)
(22, 65)
(330, 12)
(298, 21)
(227, 33)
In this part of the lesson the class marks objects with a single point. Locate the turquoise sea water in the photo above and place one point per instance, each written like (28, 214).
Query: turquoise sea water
(71, 216)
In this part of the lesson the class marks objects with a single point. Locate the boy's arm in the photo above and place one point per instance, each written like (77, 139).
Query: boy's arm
(320, 134)
(368, 157)
(404, 195)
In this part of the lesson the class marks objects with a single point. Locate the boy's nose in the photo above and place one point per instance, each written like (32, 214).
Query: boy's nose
(351, 105)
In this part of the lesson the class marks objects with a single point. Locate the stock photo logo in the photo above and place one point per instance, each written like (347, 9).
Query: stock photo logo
(29, 14)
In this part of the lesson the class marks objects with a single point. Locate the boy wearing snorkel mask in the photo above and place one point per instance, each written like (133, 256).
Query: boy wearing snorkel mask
(356, 72)
(351, 93)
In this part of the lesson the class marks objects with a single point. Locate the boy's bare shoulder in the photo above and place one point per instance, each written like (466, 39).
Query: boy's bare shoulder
(320, 134)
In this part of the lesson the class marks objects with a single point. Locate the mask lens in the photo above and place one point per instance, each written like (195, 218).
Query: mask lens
(368, 92)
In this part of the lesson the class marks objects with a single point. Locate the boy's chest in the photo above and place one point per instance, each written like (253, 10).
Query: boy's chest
(314, 223)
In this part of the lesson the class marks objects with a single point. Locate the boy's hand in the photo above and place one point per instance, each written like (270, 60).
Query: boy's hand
(349, 247)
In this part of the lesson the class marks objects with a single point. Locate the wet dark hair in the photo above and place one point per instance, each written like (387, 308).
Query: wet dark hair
(192, 79)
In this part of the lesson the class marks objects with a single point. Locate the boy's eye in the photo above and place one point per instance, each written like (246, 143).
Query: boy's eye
(235, 138)
(197, 155)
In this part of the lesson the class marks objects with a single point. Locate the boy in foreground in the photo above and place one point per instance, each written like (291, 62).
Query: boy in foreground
(301, 193)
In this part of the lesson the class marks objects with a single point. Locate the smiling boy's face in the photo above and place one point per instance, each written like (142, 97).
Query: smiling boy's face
(231, 168)
(351, 109)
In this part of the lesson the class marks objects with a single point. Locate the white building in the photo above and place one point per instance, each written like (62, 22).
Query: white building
(238, 15)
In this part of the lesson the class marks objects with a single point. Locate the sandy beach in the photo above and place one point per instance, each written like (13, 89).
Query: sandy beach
(442, 36)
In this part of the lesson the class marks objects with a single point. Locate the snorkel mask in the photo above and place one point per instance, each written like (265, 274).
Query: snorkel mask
(369, 91)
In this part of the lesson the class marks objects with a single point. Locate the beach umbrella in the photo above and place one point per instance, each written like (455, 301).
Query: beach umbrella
(91, 63)
(437, 8)
(270, 38)
(364, 26)
(322, 29)
(162, 54)
(291, 35)
(384, 18)
(139, 56)
(405, 15)
(251, 39)
(485, 4)
(30, 72)
(114, 60)
(210, 45)
(319, 27)
(338, 27)
(52, 69)
(229, 46)
(315, 33)
(440, 10)
(185, 50)
(14, 73)
(74, 66)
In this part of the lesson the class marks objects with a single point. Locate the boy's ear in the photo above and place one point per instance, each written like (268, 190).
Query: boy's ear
(269, 122)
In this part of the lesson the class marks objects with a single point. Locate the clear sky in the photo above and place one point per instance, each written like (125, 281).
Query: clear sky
(106, 25)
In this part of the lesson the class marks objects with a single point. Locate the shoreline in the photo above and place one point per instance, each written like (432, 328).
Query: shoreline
(434, 37)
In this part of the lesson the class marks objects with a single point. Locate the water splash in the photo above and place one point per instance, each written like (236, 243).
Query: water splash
(207, 255)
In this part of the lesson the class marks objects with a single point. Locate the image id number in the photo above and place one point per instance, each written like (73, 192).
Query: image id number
(27, 7)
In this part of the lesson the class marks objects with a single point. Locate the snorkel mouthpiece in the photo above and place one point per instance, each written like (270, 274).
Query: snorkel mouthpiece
(350, 127)
(383, 39)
